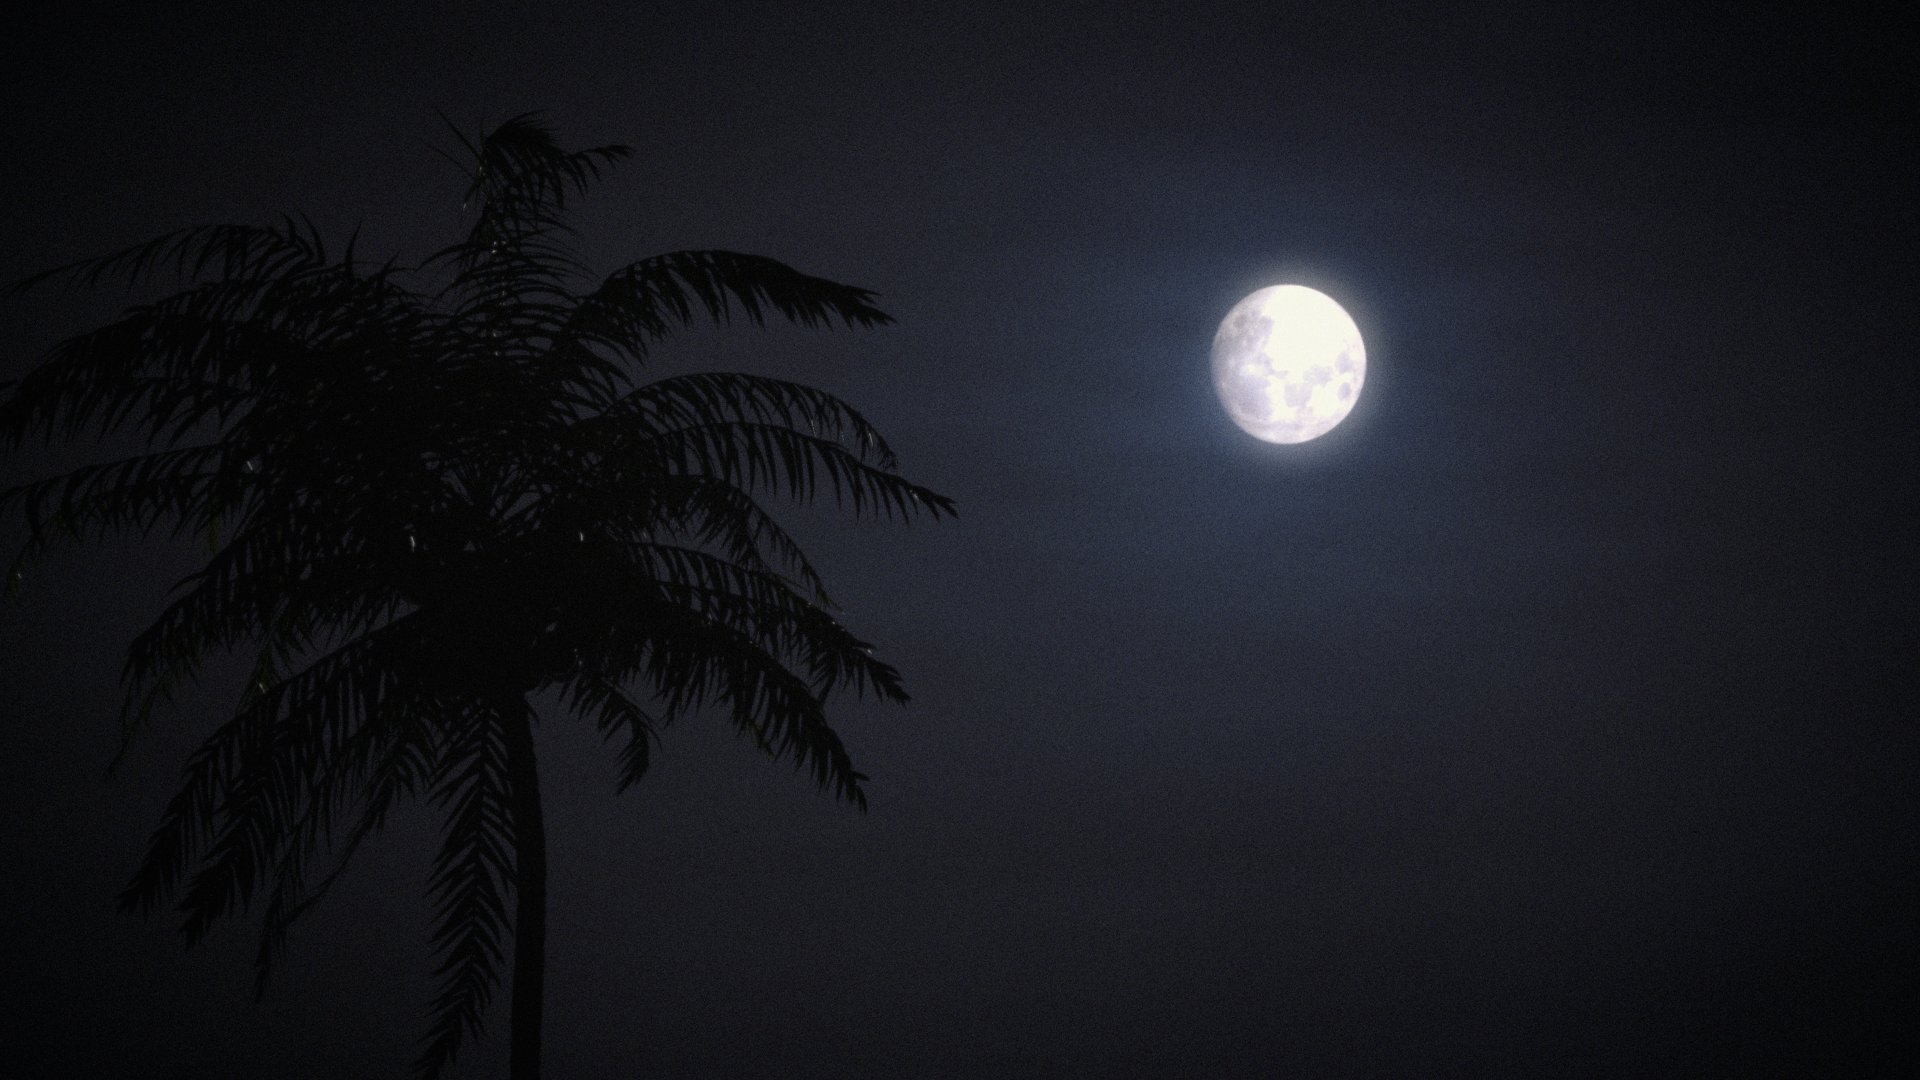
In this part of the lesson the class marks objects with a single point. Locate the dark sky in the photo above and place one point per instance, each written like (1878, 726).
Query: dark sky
(1553, 716)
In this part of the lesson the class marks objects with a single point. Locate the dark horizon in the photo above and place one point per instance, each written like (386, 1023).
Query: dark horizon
(1554, 715)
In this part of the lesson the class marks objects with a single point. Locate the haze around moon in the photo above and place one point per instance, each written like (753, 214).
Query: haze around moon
(1288, 364)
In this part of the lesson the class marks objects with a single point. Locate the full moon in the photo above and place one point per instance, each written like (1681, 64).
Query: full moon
(1288, 364)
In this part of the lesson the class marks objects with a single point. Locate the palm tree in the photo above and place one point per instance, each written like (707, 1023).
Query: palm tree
(429, 494)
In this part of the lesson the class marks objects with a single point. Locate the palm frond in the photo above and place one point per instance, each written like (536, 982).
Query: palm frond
(246, 786)
(696, 630)
(702, 661)
(773, 458)
(519, 162)
(185, 486)
(616, 714)
(641, 303)
(690, 400)
(233, 252)
(389, 759)
(713, 513)
(765, 610)
(472, 878)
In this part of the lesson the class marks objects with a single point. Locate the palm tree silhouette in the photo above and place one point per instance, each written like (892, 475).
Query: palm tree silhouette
(430, 492)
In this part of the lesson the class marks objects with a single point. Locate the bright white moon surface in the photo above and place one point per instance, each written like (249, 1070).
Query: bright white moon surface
(1288, 364)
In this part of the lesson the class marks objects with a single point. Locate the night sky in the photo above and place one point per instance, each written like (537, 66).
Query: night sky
(1555, 715)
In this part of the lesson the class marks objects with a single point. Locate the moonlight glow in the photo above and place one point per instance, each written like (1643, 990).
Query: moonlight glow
(1288, 364)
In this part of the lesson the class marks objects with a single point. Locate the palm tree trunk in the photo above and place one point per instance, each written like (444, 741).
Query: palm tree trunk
(530, 888)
